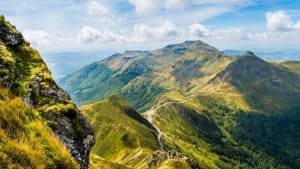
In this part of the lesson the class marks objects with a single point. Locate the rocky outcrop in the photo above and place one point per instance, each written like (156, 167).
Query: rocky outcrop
(160, 156)
(72, 128)
(9, 36)
(23, 71)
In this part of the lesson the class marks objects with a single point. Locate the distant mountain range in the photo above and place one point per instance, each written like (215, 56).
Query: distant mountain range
(271, 56)
(62, 64)
(219, 111)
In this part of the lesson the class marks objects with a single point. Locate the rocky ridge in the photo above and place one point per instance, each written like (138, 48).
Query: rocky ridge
(40, 92)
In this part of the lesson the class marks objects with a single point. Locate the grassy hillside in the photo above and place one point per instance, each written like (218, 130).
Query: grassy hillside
(124, 139)
(266, 87)
(25, 139)
(247, 115)
(218, 134)
(293, 66)
(223, 112)
(26, 81)
(141, 77)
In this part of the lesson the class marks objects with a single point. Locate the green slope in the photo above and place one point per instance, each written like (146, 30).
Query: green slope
(143, 75)
(293, 66)
(218, 134)
(265, 86)
(239, 117)
(124, 139)
(25, 139)
(44, 123)
(224, 112)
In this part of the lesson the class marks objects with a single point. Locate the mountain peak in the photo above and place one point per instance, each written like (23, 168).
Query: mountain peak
(182, 48)
(248, 53)
(250, 58)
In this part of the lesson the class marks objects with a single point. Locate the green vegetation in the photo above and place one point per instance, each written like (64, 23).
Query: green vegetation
(141, 77)
(223, 112)
(31, 109)
(216, 135)
(121, 139)
(266, 87)
(293, 66)
(124, 139)
(25, 141)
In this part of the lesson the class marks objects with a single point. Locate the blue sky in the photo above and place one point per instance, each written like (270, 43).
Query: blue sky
(117, 25)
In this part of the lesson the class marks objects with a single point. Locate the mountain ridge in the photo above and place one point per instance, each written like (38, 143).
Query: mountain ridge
(25, 75)
(222, 111)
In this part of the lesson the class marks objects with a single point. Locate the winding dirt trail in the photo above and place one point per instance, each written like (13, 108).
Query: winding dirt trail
(149, 117)
(150, 113)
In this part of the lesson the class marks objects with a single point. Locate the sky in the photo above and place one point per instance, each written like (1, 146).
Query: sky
(118, 25)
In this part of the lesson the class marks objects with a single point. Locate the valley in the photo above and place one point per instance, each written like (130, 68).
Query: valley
(216, 110)
(183, 106)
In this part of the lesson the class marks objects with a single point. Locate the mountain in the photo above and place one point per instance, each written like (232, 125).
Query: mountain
(272, 87)
(125, 139)
(269, 55)
(141, 76)
(221, 111)
(40, 126)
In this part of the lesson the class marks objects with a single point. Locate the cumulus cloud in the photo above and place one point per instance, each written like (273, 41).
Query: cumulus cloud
(199, 30)
(281, 21)
(96, 8)
(166, 29)
(37, 37)
(88, 34)
(278, 21)
(144, 7)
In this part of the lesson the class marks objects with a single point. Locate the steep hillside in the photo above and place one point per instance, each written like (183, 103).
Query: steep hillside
(293, 66)
(141, 76)
(25, 140)
(41, 106)
(124, 139)
(223, 112)
(265, 86)
(219, 134)
(247, 115)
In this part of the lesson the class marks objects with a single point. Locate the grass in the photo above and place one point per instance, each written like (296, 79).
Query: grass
(120, 139)
(218, 134)
(141, 77)
(223, 112)
(21, 131)
(27, 139)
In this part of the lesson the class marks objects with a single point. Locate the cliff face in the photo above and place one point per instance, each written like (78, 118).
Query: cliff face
(25, 74)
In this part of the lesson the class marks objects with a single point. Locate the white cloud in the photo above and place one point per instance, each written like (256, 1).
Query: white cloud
(278, 21)
(37, 37)
(144, 7)
(143, 32)
(297, 26)
(96, 8)
(88, 34)
(198, 30)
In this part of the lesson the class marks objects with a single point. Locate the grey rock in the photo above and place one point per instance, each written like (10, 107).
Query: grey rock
(9, 37)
